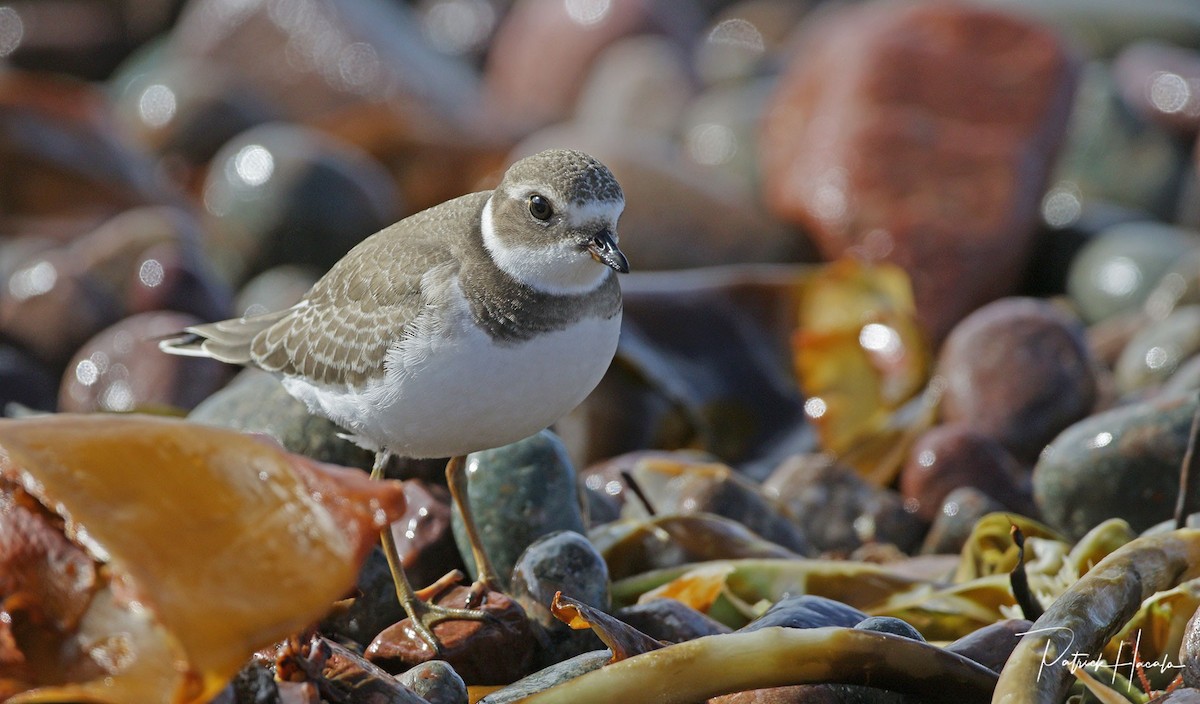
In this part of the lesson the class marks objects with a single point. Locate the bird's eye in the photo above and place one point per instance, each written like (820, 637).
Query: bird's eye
(539, 207)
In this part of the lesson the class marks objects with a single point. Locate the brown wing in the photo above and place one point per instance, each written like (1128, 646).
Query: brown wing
(339, 335)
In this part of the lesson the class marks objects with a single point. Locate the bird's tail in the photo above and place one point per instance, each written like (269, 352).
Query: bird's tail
(227, 340)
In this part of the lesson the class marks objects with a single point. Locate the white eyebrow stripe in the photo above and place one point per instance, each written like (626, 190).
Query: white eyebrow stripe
(521, 191)
(598, 211)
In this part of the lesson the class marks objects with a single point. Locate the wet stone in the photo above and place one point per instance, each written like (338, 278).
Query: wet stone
(670, 620)
(1186, 378)
(991, 645)
(373, 608)
(519, 493)
(1017, 338)
(436, 682)
(122, 369)
(675, 486)
(256, 402)
(496, 650)
(807, 611)
(424, 537)
(1158, 350)
(549, 676)
(286, 194)
(887, 624)
(952, 456)
(1119, 268)
(838, 511)
(1121, 463)
(814, 694)
(953, 524)
(561, 562)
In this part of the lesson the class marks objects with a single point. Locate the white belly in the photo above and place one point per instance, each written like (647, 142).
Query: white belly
(455, 391)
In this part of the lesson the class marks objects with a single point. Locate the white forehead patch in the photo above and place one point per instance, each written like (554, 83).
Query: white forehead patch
(561, 269)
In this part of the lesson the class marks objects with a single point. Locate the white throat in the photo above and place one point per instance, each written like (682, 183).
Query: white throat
(560, 269)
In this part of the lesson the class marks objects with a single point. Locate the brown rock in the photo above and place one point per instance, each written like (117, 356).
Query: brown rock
(921, 133)
(498, 650)
(952, 456)
(423, 536)
(1017, 370)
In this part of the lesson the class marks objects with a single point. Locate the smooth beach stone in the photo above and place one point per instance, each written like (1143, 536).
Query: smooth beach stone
(144, 259)
(121, 369)
(814, 694)
(888, 624)
(641, 83)
(25, 381)
(185, 110)
(961, 128)
(256, 402)
(286, 194)
(1117, 271)
(675, 486)
(1069, 222)
(1111, 153)
(1189, 652)
(548, 677)
(519, 493)
(806, 611)
(1162, 83)
(374, 606)
(956, 518)
(670, 620)
(1179, 286)
(1158, 350)
(561, 562)
(276, 288)
(837, 509)
(436, 682)
(720, 130)
(1017, 338)
(950, 456)
(991, 645)
(571, 37)
(1121, 463)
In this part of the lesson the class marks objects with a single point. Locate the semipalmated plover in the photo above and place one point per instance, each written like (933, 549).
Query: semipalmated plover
(467, 326)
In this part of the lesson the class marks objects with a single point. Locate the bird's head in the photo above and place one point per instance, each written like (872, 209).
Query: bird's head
(552, 222)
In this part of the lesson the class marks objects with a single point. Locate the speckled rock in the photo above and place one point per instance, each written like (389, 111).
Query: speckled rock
(561, 562)
(951, 456)
(1121, 463)
(1017, 338)
(519, 493)
(837, 510)
(961, 128)
(1158, 350)
(1117, 270)
(257, 402)
(122, 369)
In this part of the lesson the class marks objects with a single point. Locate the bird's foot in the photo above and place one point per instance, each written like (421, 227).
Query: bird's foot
(424, 613)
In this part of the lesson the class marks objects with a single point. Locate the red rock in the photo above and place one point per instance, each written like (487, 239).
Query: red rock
(921, 133)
